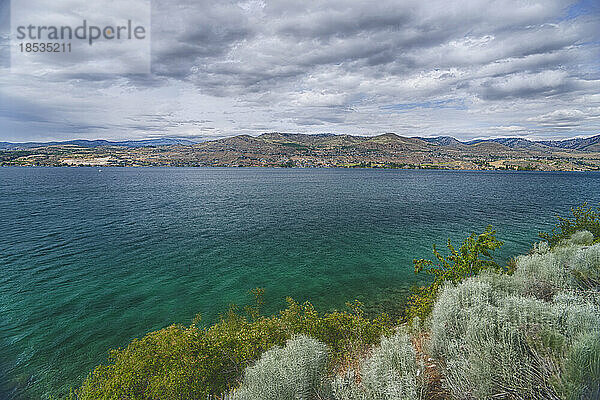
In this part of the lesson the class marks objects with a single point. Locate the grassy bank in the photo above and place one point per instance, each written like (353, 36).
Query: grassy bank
(527, 330)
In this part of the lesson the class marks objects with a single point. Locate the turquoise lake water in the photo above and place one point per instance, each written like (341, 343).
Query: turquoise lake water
(91, 259)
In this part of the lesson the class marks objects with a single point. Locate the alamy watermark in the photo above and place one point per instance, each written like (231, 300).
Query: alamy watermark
(74, 36)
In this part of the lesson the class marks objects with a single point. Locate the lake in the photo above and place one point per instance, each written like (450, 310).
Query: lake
(90, 259)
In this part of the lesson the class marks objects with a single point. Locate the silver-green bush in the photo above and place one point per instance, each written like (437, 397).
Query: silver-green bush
(581, 238)
(543, 275)
(505, 337)
(541, 247)
(567, 267)
(294, 372)
(478, 337)
(391, 372)
(574, 315)
(582, 370)
(586, 267)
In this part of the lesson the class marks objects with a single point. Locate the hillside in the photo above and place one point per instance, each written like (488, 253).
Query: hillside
(323, 150)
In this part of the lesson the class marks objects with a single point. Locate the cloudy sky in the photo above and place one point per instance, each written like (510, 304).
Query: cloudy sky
(467, 69)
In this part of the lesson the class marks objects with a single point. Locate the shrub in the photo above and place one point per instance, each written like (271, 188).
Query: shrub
(390, 373)
(586, 267)
(541, 247)
(574, 315)
(496, 340)
(584, 219)
(543, 275)
(345, 333)
(294, 372)
(582, 370)
(189, 362)
(162, 365)
(581, 238)
(484, 352)
(473, 256)
(567, 267)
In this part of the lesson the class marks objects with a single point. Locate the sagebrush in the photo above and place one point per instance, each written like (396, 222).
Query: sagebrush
(530, 335)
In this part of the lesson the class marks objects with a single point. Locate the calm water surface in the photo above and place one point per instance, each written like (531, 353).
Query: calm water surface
(90, 259)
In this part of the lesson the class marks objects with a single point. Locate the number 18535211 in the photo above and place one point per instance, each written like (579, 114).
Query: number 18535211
(45, 47)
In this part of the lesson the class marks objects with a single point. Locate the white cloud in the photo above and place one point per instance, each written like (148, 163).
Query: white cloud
(475, 67)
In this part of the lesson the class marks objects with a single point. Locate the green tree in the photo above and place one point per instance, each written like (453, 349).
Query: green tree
(473, 256)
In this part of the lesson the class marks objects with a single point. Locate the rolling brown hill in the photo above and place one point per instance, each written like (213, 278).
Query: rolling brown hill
(324, 150)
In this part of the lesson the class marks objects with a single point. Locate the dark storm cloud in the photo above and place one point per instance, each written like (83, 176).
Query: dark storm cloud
(188, 33)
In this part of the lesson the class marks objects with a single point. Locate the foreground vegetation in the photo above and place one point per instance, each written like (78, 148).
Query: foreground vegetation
(528, 331)
(182, 362)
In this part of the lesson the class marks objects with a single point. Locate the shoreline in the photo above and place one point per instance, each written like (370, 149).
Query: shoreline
(289, 168)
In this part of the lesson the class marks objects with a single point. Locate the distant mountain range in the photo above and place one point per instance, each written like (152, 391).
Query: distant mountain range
(276, 149)
(97, 143)
(583, 144)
